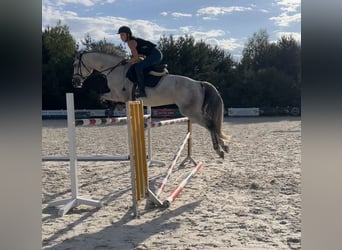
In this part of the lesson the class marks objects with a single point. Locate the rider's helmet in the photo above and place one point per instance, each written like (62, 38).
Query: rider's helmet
(125, 29)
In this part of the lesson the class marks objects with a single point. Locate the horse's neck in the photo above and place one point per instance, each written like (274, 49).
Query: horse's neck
(99, 61)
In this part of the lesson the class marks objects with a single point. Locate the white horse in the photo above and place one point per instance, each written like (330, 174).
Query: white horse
(198, 100)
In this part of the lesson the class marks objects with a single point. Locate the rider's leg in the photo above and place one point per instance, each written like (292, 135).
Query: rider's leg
(140, 91)
(153, 59)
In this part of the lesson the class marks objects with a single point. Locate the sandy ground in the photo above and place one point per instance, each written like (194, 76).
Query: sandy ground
(249, 200)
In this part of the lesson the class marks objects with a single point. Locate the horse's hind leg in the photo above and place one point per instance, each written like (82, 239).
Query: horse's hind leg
(216, 142)
(223, 145)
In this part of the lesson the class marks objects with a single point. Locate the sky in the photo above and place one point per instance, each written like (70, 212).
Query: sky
(225, 23)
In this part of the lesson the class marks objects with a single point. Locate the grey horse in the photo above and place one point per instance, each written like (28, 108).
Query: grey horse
(198, 100)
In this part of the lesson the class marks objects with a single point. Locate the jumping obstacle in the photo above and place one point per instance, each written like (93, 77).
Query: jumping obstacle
(139, 171)
(142, 185)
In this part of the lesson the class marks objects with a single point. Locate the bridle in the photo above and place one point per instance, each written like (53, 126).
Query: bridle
(81, 63)
(79, 67)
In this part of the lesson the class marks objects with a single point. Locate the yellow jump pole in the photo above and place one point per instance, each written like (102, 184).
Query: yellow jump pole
(138, 157)
(137, 153)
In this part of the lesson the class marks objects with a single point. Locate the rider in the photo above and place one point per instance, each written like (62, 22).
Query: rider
(140, 48)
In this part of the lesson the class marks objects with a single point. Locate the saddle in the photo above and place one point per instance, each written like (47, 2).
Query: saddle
(152, 75)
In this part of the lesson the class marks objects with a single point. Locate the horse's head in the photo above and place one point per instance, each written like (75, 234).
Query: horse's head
(81, 71)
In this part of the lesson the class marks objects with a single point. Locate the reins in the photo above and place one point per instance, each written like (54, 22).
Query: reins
(111, 68)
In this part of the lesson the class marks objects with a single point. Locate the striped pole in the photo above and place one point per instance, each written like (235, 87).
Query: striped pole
(172, 165)
(168, 122)
(181, 186)
(103, 121)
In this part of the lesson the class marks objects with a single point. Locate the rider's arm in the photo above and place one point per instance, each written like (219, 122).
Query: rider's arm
(132, 44)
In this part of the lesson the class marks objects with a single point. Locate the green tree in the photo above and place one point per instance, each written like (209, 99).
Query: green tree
(170, 53)
(289, 57)
(255, 54)
(57, 54)
(269, 73)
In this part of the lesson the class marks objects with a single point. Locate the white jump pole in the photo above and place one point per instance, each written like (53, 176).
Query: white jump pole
(88, 158)
(75, 200)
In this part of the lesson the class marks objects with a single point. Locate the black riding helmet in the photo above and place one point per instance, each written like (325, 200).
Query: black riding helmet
(125, 29)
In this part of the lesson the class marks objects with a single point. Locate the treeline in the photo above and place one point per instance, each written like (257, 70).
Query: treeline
(267, 75)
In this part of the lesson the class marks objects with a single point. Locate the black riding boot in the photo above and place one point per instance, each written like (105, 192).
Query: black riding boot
(140, 91)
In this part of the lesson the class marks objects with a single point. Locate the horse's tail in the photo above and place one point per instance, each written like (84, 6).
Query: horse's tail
(213, 109)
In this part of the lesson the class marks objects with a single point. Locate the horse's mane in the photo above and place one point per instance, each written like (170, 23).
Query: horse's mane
(111, 51)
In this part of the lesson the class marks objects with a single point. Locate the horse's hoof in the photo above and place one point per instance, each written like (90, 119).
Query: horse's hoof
(221, 154)
(226, 148)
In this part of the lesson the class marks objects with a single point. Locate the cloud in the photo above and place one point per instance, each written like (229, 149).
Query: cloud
(230, 44)
(98, 27)
(208, 34)
(215, 11)
(285, 19)
(175, 14)
(201, 35)
(212, 37)
(289, 5)
(209, 18)
(81, 2)
(178, 14)
(290, 13)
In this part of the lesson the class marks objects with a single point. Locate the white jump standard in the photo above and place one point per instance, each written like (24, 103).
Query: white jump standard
(75, 199)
